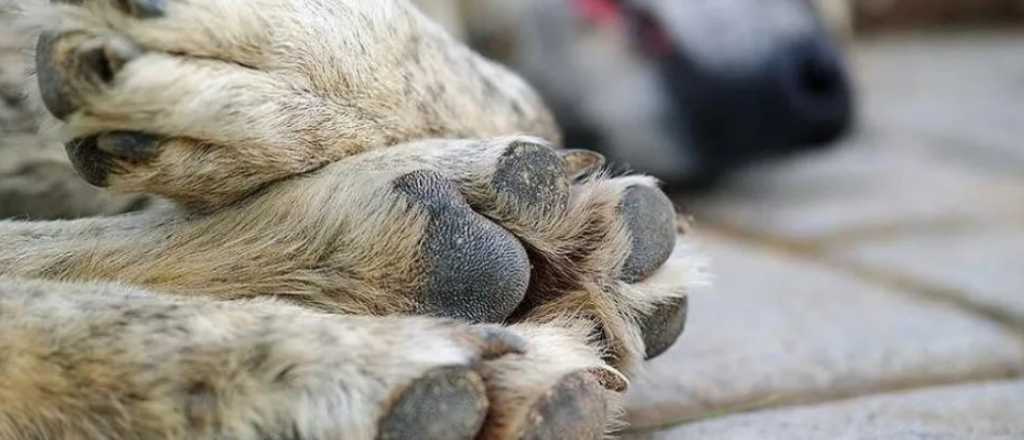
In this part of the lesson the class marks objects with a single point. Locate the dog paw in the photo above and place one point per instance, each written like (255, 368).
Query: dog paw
(206, 102)
(594, 244)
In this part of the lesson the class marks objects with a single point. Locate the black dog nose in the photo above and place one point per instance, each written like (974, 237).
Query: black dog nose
(814, 92)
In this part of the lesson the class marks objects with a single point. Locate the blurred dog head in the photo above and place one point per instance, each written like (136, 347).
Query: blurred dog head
(687, 90)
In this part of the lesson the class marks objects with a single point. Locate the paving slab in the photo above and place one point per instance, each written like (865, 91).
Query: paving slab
(960, 90)
(774, 329)
(971, 411)
(873, 182)
(981, 266)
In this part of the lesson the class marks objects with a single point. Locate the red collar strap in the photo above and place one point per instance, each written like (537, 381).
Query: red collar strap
(651, 37)
(599, 12)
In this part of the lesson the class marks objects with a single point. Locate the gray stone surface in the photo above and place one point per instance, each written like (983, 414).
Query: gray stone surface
(875, 182)
(774, 329)
(961, 93)
(982, 266)
(973, 411)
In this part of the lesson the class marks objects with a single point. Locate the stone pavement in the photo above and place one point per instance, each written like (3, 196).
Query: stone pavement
(875, 290)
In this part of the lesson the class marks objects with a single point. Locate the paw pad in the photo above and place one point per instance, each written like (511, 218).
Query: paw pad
(663, 327)
(446, 403)
(651, 220)
(575, 408)
(475, 270)
(534, 176)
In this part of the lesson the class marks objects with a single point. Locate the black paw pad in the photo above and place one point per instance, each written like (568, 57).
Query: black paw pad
(135, 8)
(534, 175)
(446, 403)
(92, 164)
(475, 270)
(142, 8)
(576, 408)
(50, 77)
(130, 146)
(663, 327)
(651, 220)
(67, 62)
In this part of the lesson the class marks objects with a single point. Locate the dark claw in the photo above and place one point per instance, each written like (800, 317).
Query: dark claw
(130, 146)
(69, 60)
(582, 163)
(51, 78)
(475, 270)
(499, 341)
(651, 219)
(662, 328)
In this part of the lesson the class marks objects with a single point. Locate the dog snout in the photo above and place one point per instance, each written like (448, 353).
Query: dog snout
(814, 93)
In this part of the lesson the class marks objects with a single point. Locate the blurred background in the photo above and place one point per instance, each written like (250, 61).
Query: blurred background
(855, 170)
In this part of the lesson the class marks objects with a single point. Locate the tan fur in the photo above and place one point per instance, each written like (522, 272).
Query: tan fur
(298, 205)
(311, 241)
(102, 361)
(247, 102)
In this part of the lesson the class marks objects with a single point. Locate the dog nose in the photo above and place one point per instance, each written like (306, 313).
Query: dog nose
(795, 98)
(814, 93)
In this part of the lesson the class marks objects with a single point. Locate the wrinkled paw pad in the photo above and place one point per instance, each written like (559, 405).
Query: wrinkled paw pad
(90, 163)
(474, 270)
(576, 408)
(94, 157)
(663, 327)
(446, 403)
(651, 220)
(534, 177)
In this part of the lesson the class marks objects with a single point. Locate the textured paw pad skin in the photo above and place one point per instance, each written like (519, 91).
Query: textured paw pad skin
(534, 176)
(446, 403)
(651, 219)
(475, 270)
(663, 327)
(90, 163)
(574, 408)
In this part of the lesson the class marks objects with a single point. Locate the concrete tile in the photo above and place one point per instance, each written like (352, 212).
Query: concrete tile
(972, 411)
(774, 329)
(983, 265)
